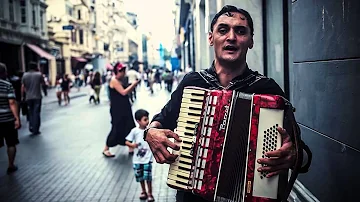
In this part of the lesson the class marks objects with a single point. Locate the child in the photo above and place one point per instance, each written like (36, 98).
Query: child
(142, 158)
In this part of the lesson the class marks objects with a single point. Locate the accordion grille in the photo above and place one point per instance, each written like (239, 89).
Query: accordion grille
(232, 174)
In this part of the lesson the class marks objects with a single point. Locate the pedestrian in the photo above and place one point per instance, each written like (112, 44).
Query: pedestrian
(65, 88)
(9, 118)
(231, 36)
(122, 120)
(31, 90)
(142, 159)
(133, 76)
(45, 84)
(96, 85)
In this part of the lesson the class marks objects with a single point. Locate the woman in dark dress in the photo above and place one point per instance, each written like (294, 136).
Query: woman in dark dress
(65, 88)
(120, 110)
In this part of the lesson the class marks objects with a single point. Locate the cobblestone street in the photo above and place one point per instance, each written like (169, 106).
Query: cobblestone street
(65, 162)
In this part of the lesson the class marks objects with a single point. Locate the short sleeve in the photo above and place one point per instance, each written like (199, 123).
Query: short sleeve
(131, 136)
(10, 92)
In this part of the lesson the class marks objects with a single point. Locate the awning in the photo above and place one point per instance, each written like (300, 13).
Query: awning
(79, 59)
(40, 52)
(109, 66)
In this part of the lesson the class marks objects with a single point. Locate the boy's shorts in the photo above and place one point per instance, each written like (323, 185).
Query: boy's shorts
(9, 133)
(143, 172)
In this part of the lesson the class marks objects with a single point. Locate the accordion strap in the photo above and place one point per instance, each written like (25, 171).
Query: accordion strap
(299, 155)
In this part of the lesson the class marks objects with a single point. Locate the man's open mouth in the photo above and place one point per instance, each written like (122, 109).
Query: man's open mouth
(230, 48)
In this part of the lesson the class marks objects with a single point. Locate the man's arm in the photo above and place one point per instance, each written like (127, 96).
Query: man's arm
(14, 110)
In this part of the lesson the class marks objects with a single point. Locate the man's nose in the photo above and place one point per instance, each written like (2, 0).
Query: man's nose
(231, 36)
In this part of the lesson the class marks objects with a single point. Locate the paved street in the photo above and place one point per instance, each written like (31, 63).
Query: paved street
(65, 162)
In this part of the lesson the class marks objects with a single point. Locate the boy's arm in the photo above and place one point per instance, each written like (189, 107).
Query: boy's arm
(129, 144)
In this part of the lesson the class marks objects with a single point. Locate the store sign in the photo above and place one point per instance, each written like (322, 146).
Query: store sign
(68, 27)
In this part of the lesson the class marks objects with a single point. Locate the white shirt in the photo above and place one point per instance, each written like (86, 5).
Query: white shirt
(142, 154)
(132, 75)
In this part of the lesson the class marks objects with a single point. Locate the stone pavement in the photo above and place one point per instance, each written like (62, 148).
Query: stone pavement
(65, 163)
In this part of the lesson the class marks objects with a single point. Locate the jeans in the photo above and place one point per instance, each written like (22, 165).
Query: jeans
(34, 115)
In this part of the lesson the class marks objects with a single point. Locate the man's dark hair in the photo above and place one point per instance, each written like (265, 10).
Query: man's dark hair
(3, 71)
(232, 9)
(33, 66)
(141, 113)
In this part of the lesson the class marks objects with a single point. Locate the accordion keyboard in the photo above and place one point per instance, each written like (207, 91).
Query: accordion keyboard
(190, 113)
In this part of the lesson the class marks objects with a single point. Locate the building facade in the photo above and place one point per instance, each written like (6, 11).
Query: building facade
(24, 35)
(71, 24)
(311, 50)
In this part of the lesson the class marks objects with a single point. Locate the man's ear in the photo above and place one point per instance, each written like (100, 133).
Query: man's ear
(211, 39)
(251, 43)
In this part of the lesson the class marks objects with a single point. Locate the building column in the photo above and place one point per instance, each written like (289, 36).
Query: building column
(67, 58)
(210, 11)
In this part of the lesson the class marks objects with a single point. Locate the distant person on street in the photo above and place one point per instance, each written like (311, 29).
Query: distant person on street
(142, 159)
(45, 84)
(122, 120)
(31, 91)
(133, 76)
(65, 88)
(96, 85)
(9, 118)
(58, 88)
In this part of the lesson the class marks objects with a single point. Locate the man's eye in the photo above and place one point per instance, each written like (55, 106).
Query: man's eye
(222, 30)
(241, 31)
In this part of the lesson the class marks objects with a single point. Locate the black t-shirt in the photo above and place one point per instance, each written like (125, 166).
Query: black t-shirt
(249, 82)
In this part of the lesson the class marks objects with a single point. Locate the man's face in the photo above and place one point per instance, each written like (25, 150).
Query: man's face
(231, 37)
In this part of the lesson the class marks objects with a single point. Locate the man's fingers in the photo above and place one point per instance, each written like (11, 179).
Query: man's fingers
(271, 161)
(161, 158)
(274, 173)
(171, 134)
(168, 157)
(277, 153)
(172, 145)
(273, 168)
(285, 137)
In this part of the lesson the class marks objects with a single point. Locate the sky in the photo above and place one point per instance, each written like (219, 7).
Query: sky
(155, 16)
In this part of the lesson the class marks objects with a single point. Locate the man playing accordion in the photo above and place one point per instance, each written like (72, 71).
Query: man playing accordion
(231, 36)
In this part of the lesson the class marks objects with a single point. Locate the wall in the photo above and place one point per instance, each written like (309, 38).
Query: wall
(324, 89)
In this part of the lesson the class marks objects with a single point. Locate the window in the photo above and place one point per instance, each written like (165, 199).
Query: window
(79, 14)
(69, 10)
(1, 10)
(23, 11)
(33, 15)
(11, 11)
(81, 36)
(73, 36)
(42, 20)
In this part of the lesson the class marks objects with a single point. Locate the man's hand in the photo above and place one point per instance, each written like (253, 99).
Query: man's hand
(17, 124)
(281, 159)
(158, 142)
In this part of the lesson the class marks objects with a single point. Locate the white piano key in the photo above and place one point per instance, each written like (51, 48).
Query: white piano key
(205, 153)
(215, 100)
(207, 142)
(199, 185)
(191, 101)
(177, 185)
(203, 163)
(208, 133)
(211, 121)
(212, 111)
(201, 174)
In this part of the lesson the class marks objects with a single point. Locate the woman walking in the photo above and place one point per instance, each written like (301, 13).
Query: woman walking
(65, 88)
(96, 85)
(120, 110)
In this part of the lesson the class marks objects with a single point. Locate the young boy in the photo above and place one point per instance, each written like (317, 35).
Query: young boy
(142, 158)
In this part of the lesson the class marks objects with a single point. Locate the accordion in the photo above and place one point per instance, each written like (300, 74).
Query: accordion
(223, 133)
